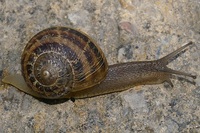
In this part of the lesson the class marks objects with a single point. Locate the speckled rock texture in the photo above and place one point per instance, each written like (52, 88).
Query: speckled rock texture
(126, 30)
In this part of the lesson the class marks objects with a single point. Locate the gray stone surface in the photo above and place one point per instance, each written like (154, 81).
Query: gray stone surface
(126, 30)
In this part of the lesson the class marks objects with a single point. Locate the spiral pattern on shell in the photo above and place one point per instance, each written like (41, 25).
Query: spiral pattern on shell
(60, 60)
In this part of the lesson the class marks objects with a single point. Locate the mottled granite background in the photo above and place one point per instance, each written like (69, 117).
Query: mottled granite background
(126, 30)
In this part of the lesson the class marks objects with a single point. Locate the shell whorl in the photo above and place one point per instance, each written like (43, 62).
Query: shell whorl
(59, 60)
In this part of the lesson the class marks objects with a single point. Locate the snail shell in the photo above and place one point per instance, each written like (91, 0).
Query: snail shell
(59, 60)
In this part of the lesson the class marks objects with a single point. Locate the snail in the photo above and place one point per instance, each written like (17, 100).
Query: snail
(62, 62)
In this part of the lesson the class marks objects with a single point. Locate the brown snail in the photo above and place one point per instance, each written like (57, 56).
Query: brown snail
(62, 62)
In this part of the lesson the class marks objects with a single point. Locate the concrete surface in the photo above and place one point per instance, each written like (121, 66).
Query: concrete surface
(126, 30)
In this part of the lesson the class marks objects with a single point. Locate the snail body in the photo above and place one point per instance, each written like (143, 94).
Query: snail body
(62, 62)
